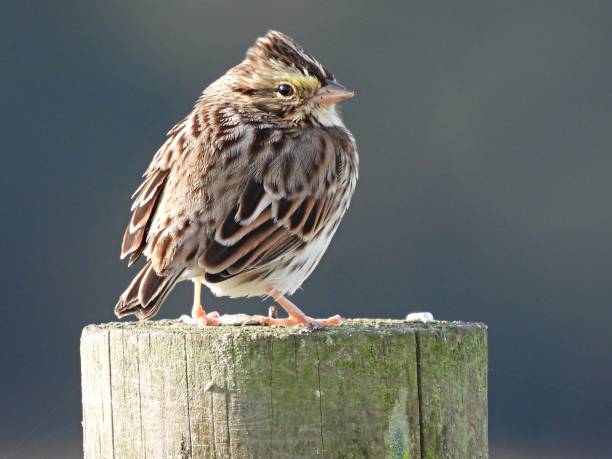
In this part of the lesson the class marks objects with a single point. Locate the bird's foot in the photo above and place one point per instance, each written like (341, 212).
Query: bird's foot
(295, 321)
(200, 318)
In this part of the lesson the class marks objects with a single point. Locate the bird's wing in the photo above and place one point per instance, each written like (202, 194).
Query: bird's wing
(292, 192)
(147, 195)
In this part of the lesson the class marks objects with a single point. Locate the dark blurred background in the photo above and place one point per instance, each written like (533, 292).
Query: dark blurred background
(485, 133)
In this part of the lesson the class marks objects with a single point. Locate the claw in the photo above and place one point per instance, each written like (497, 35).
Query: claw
(301, 321)
(255, 320)
(201, 320)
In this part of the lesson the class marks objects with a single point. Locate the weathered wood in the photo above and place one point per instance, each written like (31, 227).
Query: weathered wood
(368, 388)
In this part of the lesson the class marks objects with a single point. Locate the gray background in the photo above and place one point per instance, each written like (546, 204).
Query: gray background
(485, 131)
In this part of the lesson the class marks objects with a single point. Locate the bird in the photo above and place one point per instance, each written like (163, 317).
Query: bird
(247, 191)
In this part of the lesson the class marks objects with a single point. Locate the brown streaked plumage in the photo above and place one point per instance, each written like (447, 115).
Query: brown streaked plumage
(248, 189)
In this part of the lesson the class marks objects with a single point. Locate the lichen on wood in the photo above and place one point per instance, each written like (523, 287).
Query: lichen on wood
(368, 388)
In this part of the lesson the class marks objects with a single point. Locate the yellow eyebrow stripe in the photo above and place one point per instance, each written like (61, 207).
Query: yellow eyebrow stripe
(304, 82)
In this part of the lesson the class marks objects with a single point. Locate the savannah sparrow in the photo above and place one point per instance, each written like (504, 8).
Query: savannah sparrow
(248, 189)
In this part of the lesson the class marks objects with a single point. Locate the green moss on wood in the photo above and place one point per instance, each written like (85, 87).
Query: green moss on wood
(368, 388)
(453, 389)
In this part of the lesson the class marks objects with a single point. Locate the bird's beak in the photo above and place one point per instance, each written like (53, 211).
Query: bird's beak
(332, 93)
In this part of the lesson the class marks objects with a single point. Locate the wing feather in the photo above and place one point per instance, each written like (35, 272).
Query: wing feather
(146, 199)
(288, 199)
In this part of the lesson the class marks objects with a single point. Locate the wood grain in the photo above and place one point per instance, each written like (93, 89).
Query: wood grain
(369, 388)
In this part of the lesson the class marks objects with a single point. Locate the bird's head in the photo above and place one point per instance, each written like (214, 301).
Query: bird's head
(281, 79)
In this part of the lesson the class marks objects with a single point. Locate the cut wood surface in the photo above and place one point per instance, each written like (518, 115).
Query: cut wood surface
(366, 389)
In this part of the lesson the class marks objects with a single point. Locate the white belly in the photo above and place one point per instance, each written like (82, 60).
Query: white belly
(285, 275)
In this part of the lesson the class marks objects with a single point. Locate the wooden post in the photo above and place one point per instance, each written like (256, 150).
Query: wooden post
(368, 388)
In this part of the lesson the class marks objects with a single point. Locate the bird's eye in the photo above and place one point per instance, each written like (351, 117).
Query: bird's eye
(284, 90)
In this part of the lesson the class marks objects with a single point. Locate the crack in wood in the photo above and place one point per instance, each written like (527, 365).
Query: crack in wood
(110, 386)
(187, 396)
(320, 397)
(142, 434)
(420, 395)
(390, 388)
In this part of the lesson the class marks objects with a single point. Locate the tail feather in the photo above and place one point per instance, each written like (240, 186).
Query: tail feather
(146, 293)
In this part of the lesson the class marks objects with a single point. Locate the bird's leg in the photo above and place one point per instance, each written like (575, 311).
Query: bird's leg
(198, 315)
(296, 316)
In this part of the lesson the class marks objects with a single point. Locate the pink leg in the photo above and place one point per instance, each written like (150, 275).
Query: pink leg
(203, 319)
(296, 316)
(198, 315)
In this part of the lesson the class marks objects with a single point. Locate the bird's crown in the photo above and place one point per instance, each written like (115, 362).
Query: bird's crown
(277, 49)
